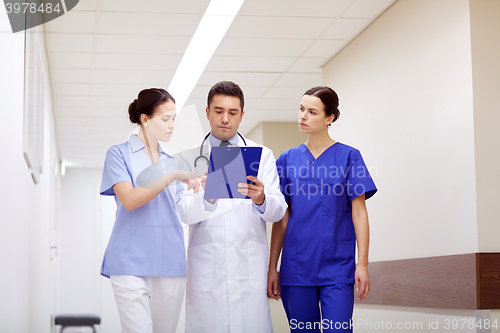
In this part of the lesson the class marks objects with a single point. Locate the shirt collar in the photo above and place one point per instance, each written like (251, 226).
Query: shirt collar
(137, 145)
(216, 142)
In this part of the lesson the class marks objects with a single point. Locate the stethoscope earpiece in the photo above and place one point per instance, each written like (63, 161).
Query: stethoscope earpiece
(202, 157)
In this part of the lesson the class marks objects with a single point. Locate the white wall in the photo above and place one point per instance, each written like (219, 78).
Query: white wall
(29, 211)
(257, 134)
(86, 223)
(79, 242)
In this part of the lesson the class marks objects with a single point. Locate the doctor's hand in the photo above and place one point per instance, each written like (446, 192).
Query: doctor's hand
(273, 287)
(362, 281)
(255, 192)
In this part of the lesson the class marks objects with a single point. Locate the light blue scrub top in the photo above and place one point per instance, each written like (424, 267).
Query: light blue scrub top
(320, 242)
(149, 240)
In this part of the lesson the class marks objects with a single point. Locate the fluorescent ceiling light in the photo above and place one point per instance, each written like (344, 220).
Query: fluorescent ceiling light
(212, 28)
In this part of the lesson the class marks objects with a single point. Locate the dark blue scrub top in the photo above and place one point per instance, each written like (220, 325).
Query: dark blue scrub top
(320, 242)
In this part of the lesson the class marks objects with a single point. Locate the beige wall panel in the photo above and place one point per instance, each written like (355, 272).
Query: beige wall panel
(485, 33)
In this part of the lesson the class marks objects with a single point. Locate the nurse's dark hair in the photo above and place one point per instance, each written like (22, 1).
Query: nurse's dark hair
(146, 103)
(227, 88)
(329, 98)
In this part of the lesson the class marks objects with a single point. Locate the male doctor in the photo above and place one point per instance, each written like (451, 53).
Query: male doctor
(228, 251)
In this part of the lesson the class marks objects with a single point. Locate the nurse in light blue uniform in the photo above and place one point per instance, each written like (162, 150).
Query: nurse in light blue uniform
(325, 184)
(145, 258)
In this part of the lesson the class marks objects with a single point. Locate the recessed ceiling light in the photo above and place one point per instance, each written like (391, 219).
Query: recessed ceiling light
(212, 28)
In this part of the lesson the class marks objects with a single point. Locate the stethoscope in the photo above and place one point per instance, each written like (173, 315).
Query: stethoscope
(202, 157)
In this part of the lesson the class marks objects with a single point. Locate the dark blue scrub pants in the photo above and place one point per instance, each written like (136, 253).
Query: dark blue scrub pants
(302, 307)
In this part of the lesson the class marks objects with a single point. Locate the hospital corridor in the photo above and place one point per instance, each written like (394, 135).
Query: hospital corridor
(115, 110)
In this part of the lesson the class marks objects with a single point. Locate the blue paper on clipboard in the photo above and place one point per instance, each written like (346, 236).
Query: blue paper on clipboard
(228, 167)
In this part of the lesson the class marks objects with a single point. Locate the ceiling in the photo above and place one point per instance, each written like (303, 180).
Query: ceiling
(103, 52)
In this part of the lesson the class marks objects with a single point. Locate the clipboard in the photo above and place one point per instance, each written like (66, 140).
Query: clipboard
(228, 167)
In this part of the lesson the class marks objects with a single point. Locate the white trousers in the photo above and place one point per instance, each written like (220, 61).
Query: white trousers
(148, 304)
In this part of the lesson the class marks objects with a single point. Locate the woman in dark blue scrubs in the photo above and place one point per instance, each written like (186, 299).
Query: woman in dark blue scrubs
(325, 184)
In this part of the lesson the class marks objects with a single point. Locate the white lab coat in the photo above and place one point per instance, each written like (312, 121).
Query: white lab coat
(228, 257)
